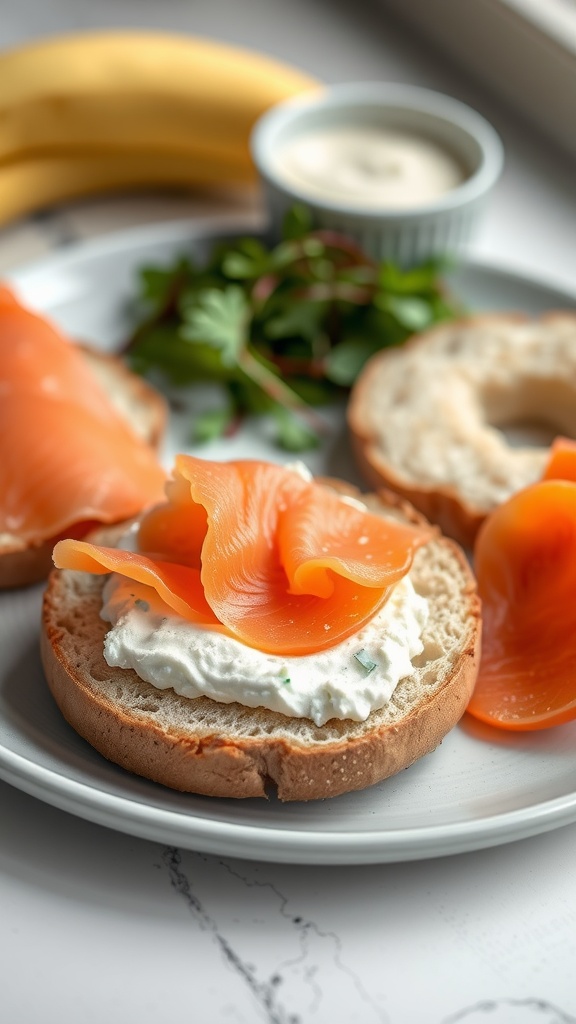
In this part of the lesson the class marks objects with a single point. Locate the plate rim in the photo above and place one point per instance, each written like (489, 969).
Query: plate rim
(297, 846)
(173, 231)
(123, 813)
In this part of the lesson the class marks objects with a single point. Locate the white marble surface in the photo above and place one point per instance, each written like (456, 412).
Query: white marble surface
(97, 926)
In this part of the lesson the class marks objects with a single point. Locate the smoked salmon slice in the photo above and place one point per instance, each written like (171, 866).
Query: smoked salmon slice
(36, 357)
(254, 550)
(525, 563)
(67, 456)
(561, 463)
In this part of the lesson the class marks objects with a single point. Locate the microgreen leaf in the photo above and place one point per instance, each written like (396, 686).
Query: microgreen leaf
(344, 362)
(313, 248)
(303, 319)
(297, 222)
(212, 424)
(249, 260)
(416, 280)
(292, 434)
(163, 348)
(413, 313)
(157, 283)
(282, 328)
(220, 319)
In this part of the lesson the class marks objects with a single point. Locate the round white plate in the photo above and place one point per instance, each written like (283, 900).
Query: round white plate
(480, 788)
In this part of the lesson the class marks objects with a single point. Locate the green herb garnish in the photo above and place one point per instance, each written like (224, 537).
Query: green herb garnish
(139, 603)
(282, 329)
(364, 660)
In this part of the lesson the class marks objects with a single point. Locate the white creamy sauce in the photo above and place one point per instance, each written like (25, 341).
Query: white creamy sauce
(167, 651)
(368, 166)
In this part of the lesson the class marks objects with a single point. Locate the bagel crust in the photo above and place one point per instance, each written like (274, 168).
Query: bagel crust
(427, 419)
(228, 750)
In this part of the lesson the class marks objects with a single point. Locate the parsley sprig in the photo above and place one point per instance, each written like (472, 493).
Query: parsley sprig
(282, 329)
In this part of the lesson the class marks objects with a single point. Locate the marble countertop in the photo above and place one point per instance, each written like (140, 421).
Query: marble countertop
(98, 926)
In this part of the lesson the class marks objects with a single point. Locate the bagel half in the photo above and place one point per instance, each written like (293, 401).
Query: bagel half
(426, 418)
(228, 750)
(23, 563)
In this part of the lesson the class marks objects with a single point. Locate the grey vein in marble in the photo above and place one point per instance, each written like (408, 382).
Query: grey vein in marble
(511, 1011)
(263, 992)
(309, 932)
(297, 987)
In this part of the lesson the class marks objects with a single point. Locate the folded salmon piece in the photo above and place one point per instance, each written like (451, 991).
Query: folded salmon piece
(282, 564)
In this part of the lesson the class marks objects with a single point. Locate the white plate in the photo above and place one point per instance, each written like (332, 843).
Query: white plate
(480, 788)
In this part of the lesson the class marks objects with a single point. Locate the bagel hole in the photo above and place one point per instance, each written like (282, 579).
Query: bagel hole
(532, 414)
(528, 434)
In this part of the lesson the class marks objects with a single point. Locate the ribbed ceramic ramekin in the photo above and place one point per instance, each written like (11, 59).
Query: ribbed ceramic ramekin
(441, 227)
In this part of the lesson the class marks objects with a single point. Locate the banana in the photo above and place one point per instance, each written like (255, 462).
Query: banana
(90, 112)
(36, 184)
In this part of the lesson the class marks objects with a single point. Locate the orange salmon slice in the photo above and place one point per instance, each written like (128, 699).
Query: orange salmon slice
(281, 564)
(68, 457)
(59, 468)
(36, 357)
(561, 463)
(525, 563)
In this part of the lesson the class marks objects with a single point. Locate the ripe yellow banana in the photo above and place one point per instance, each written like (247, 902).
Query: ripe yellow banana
(84, 113)
(36, 184)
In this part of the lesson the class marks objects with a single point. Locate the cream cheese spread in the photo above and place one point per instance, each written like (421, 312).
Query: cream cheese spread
(170, 652)
(368, 166)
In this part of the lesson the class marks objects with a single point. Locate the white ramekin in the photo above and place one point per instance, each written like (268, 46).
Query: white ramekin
(441, 228)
